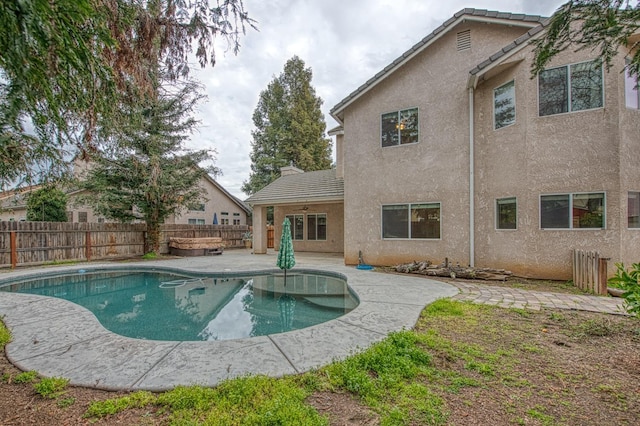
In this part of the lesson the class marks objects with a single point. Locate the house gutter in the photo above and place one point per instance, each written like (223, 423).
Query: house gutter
(472, 250)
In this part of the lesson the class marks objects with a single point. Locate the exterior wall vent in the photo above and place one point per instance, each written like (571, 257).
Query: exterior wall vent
(464, 40)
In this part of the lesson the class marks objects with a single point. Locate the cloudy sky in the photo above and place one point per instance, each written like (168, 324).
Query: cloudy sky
(344, 42)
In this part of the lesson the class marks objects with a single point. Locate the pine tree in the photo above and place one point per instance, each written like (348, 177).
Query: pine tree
(148, 175)
(289, 128)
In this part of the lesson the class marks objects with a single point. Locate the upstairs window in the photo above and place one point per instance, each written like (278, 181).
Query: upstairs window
(570, 88)
(399, 127)
(504, 105)
(631, 92)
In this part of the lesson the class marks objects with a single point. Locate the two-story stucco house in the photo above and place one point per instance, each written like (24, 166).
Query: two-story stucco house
(455, 150)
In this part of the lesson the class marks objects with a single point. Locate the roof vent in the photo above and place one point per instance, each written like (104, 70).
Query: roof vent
(464, 40)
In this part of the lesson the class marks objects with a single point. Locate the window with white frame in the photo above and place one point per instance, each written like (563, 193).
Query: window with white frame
(236, 221)
(572, 211)
(411, 221)
(631, 92)
(506, 213)
(633, 209)
(399, 127)
(316, 227)
(297, 226)
(224, 218)
(196, 221)
(504, 105)
(570, 88)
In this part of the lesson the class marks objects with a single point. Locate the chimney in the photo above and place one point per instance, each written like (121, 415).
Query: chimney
(290, 170)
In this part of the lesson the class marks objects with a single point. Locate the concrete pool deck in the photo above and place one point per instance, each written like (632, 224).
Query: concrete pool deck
(58, 338)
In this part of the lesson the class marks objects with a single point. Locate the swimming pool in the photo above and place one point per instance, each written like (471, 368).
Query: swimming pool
(176, 306)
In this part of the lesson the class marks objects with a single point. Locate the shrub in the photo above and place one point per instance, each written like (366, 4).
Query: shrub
(629, 282)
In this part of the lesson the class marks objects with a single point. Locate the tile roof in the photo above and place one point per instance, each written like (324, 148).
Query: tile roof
(531, 20)
(318, 186)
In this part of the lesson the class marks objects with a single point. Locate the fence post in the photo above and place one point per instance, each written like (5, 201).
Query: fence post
(602, 275)
(14, 249)
(87, 246)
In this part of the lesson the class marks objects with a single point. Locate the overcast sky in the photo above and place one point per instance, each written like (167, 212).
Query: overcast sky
(344, 42)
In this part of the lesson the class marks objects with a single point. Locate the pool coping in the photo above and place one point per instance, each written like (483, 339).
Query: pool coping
(58, 338)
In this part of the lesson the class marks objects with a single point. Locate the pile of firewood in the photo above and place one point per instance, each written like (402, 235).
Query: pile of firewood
(447, 269)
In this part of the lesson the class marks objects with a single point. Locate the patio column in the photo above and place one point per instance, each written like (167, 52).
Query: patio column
(259, 229)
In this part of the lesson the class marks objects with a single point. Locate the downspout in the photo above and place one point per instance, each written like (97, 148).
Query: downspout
(472, 251)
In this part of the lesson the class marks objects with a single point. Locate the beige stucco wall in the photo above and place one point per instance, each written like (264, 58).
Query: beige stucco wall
(217, 202)
(563, 153)
(433, 170)
(335, 227)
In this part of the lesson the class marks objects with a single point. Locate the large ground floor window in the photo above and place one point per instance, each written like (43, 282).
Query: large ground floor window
(316, 226)
(633, 210)
(572, 211)
(411, 221)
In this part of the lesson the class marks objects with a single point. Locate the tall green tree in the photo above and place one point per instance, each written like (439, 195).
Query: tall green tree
(47, 204)
(289, 128)
(607, 26)
(66, 64)
(149, 175)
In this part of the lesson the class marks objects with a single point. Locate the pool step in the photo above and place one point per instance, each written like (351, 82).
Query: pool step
(332, 302)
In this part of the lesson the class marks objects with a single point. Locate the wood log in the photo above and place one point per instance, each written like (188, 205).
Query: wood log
(447, 269)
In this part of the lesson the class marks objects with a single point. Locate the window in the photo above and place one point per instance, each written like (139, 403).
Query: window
(224, 220)
(570, 88)
(317, 227)
(504, 105)
(236, 221)
(196, 221)
(297, 226)
(633, 210)
(506, 213)
(236, 214)
(69, 216)
(197, 207)
(82, 217)
(572, 211)
(631, 92)
(400, 127)
(411, 221)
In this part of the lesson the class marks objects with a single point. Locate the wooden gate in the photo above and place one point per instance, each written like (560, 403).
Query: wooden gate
(270, 236)
(590, 271)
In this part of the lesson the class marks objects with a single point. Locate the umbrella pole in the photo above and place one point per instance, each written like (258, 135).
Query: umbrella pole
(285, 277)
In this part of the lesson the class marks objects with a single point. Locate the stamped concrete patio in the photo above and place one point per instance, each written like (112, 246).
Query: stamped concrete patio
(59, 338)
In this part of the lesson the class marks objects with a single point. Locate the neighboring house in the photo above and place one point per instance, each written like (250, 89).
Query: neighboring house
(220, 206)
(455, 151)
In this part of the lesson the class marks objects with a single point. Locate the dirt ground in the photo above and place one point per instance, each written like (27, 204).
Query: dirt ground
(577, 368)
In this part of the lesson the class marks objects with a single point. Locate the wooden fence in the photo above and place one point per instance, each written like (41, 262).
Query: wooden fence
(590, 271)
(37, 243)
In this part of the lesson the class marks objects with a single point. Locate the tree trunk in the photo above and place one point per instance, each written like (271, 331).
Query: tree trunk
(153, 237)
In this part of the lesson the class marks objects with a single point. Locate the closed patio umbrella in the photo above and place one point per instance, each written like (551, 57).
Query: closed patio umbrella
(215, 218)
(286, 259)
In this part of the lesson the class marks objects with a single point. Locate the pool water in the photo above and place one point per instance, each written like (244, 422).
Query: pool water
(180, 307)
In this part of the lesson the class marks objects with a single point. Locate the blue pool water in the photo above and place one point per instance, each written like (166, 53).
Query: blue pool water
(172, 306)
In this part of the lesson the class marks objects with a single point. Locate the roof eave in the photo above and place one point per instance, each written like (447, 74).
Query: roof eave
(289, 200)
(462, 16)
